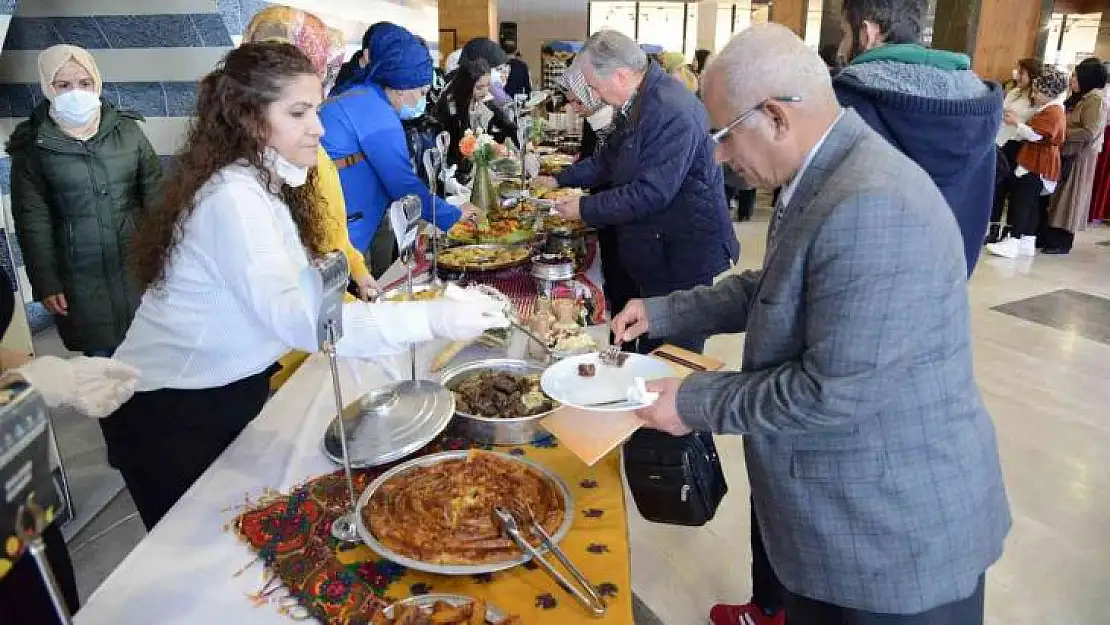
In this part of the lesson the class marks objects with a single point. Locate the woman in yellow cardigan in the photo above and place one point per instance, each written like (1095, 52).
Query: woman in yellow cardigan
(312, 36)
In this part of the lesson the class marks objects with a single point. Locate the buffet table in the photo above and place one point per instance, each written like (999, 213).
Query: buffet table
(192, 568)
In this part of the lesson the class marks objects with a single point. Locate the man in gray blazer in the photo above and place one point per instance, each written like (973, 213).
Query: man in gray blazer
(873, 464)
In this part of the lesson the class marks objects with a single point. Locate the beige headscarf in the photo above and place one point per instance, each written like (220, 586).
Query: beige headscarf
(50, 61)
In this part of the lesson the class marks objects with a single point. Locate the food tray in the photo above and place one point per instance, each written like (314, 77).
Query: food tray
(446, 264)
(403, 291)
(516, 431)
(458, 569)
(493, 615)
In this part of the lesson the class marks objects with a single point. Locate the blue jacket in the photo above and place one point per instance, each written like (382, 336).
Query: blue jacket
(361, 121)
(931, 107)
(667, 199)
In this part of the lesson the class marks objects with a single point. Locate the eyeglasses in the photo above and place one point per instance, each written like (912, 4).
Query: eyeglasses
(719, 135)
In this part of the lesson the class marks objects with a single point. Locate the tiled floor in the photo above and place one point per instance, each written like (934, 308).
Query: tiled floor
(1042, 345)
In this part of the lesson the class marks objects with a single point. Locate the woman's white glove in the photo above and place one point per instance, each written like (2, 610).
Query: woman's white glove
(93, 386)
(465, 317)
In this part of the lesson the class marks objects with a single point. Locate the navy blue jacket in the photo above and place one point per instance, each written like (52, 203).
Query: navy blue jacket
(667, 199)
(952, 140)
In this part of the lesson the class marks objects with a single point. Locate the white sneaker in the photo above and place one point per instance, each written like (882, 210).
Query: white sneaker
(1006, 248)
(1027, 246)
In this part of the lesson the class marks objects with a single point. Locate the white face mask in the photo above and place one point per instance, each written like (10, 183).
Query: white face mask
(496, 77)
(76, 107)
(601, 119)
(290, 173)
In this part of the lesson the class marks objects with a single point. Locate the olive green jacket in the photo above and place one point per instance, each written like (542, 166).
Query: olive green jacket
(75, 205)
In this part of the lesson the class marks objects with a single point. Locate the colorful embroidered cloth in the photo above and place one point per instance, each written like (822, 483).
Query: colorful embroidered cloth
(292, 535)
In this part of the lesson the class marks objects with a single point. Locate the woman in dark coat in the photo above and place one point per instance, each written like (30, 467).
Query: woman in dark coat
(83, 173)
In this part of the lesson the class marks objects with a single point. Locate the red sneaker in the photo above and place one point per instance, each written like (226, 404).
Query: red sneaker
(729, 614)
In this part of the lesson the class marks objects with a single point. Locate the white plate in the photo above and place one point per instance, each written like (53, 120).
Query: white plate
(562, 383)
(493, 615)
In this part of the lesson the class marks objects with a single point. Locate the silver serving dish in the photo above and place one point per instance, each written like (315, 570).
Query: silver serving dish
(493, 431)
(400, 293)
(457, 569)
(445, 263)
(390, 423)
(494, 616)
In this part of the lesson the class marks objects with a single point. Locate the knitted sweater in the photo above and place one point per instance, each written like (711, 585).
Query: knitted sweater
(1042, 157)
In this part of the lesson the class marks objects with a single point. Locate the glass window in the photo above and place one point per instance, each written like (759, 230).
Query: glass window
(724, 26)
(691, 30)
(661, 24)
(813, 23)
(619, 16)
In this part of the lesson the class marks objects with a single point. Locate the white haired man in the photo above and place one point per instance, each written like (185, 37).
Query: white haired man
(873, 464)
(666, 196)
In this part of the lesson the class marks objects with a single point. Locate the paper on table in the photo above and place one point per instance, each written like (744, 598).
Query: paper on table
(591, 435)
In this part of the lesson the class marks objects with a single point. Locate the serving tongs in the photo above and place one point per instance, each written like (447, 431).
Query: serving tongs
(584, 591)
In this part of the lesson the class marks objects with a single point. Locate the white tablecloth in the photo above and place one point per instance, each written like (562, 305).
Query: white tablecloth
(186, 571)
(190, 569)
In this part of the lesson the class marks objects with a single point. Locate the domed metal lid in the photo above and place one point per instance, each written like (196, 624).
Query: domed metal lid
(390, 423)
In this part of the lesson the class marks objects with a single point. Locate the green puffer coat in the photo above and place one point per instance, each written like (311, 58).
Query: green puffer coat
(75, 205)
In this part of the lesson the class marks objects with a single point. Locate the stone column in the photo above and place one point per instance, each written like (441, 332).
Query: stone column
(791, 14)
(995, 33)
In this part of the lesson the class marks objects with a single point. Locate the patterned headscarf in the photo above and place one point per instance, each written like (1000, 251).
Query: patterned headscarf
(300, 28)
(573, 83)
(1052, 83)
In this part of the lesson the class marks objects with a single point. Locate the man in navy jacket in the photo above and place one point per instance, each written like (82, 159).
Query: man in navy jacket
(927, 103)
(666, 197)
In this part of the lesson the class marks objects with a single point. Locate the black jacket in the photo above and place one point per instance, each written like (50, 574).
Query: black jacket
(519, 79)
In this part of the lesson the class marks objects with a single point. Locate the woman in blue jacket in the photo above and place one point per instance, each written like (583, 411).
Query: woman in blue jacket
(364, 137)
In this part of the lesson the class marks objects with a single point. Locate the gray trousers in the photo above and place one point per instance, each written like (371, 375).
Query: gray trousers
(805, 611)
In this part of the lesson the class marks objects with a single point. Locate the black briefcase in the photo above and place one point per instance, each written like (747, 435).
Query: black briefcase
(675, 480)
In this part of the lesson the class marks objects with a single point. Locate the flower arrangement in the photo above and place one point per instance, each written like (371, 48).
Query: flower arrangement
(481, 148)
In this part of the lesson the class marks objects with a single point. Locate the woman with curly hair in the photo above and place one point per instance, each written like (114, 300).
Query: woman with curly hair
(222, 259)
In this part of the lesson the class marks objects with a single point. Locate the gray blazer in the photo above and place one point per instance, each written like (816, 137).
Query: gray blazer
(873, 464)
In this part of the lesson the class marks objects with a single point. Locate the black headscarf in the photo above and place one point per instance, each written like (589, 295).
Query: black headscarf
(1091, 75)
(485, 49)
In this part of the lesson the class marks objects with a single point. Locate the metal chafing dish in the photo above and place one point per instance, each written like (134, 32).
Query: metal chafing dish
(458, 569)
(492, 430)
(551, 269)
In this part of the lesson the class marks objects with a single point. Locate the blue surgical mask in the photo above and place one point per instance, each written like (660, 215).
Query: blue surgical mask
(409, 111)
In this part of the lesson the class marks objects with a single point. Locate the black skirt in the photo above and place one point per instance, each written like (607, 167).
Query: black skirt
(162, 441)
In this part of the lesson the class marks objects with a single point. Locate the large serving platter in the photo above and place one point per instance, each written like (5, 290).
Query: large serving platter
(446, 263)
(458, 569)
